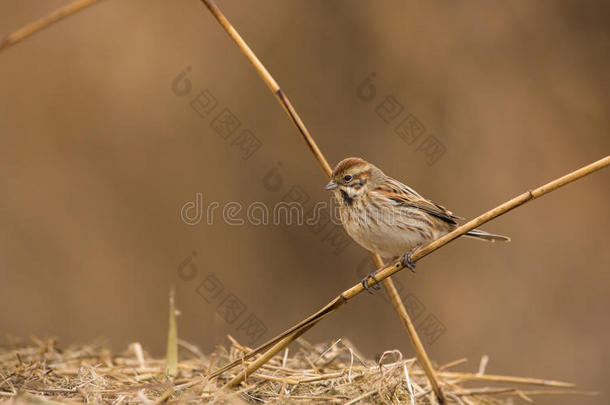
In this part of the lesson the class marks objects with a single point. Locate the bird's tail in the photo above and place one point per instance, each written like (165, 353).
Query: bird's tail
(478, 234)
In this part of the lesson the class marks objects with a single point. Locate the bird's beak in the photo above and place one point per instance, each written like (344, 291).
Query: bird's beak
(331, 185)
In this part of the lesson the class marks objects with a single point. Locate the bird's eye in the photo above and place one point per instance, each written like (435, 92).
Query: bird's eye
(347, 177)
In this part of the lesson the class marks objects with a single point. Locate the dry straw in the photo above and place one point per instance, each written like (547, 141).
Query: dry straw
(34, 27)
(39, 372)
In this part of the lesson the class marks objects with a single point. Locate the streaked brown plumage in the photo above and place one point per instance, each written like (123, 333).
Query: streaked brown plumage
(387, 217)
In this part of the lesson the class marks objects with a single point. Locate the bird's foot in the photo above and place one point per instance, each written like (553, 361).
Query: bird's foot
(406, 261)
(365, 283)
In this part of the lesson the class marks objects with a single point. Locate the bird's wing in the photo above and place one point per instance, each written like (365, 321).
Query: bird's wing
(406, 196)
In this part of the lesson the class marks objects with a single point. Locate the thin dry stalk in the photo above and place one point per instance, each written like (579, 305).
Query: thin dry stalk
(44, 22)
(271, 83)
(407, 323)
(171, 356)
(323, 163)
(452, 364)
(255, 365)
(504, 379)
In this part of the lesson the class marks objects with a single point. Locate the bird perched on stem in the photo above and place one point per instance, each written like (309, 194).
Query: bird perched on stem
(388, 217)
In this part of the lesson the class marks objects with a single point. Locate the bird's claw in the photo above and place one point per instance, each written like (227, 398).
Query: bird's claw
(365, 283)
(406, 261)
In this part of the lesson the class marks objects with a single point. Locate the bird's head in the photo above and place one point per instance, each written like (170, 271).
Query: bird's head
(353, 177)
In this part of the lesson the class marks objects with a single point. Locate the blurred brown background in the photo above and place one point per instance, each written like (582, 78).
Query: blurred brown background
(99, 155)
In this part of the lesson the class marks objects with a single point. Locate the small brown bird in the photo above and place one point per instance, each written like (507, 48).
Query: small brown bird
(387, 217)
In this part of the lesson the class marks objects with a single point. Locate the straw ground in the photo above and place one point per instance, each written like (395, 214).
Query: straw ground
(43, 372)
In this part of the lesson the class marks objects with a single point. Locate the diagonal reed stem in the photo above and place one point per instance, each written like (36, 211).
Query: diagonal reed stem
(323, 163)
(34, 27)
